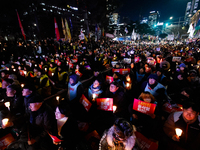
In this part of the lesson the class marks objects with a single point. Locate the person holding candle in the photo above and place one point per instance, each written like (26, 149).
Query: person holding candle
(94, 89)
(188, 121)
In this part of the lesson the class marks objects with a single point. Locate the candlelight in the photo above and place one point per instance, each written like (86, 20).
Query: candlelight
(22, 85)
(128, 79)
(14, 69)
(25, 72)
(178, 132)
(45, 69)
(52, 74)
(57, 98)
(7, 104)
(7, 69)
(127, 84)
(35, 65)
(12, 66)
(5, 121)
(169, 70)
(114, 108)
(94, 96)
(191, 64)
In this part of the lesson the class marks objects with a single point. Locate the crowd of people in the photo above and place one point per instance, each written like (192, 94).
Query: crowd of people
(82, 95)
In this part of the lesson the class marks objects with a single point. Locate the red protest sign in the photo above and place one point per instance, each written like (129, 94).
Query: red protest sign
(109, 79)
(123, 54)
(56, 61)
(78, 73)
(85, 102)
(124, 71)
(71, 65)
(75, 60)
(137, 59)
(115, 70)
(59, 63)
(21, 72)
(105, 104)
(167, 107)
(5, 141)
(144, 143)
(143, 107)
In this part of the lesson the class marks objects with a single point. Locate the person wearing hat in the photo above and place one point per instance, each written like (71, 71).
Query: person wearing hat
(95, 89)
(155, 88)
(119, 136)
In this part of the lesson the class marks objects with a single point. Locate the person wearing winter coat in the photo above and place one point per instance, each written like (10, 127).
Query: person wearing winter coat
(188, 121)
(119, 136)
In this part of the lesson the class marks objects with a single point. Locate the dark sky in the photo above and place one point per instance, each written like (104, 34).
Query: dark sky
(167, 8)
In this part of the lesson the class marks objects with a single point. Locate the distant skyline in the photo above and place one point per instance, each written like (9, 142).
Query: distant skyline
(166, 8)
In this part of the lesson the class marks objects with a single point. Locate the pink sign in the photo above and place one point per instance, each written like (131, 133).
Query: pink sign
(105, 104)
(143, 107)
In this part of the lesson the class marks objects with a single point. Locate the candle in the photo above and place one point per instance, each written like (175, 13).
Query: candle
(14, 69)
(127, 84)
(114, 108)
(57, 98)
(7, 69)
(5, 121)
(52, 74)
(45, 69)
(191, 64)
(178, 132)
(94, 96)
(22, 85)
(35, 65)
(25, 72)
(7, 104)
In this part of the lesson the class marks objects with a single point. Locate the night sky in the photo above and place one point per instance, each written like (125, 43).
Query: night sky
(167, 8)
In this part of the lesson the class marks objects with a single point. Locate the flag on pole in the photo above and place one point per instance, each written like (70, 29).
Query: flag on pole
(56, 30)
(68, 31)
(63, 27)
(20, 24)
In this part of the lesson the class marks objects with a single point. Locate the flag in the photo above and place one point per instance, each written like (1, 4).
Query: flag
(126, 30)
(20, 24)
(64, 31)
(56, 30)
(68, 31)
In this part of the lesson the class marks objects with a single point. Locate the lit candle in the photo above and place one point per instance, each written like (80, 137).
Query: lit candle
(12, 66)
(5, 121)
(45, 69)
(114, 108)
(57, 98)
(35, 65)
(25, 72)
(52, 74)
(169, 70)
(178, 132)
(7, 69)
(14, 69)
(94, 96)
(191, 64)
(22, 85)
(7, 104)
(127, 84)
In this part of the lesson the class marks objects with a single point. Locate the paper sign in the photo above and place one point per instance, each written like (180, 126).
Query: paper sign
(85, 102)
(109, 79)
(54, 138)
(123, 54)
(137, 59)
(127, 60)
(105, 104)
(114, 63)
(56, 61)
(124, 71)
(75, 60)
(5, 141)
(144, 143)
(115, 70)
(59, 63)
(143, 107)
(78, 73)
(21, 72)
(174, 59)
(167, 107)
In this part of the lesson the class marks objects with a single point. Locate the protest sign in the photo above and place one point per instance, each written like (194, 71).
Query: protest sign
(178, 59)
(78, 73)
(143, 107)
(86, 103)
(167, 107)
(5, 141)
(109, 79)
(105, 104)
(71, 65)
(124, 71)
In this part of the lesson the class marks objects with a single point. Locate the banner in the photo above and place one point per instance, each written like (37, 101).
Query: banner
(143, 107)
(56, 30)
(178, 59)
(167, 107)
(5, 141)
(86, 103)
(121, 71)
(105, 104)
(144, 143)
(109, 79)
(20, 24)
(68, 31)
(110, 35)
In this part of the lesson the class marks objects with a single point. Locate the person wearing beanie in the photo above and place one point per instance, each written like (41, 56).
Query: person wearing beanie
(155, 88)
(94, 89)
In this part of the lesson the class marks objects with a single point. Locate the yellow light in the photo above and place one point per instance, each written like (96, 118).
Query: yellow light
(94, 96)
(7, 104)
(22, 85)
(45, 69)
(35, 65)
(5, 121)
(127, 84)
(57, 98)
(14, 69)
(178, 132)
(12, 66)
(25, 72)
(114, 109)
(52, 74)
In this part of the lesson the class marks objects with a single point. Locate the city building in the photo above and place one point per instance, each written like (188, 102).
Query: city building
(144, 20)
(153, 18)
(191, 9)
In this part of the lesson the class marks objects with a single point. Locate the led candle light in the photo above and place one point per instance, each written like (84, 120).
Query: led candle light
(5, 121)
(114, 108)
(7, 104)
(22, 85)
(178, 132)
(57, 98)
